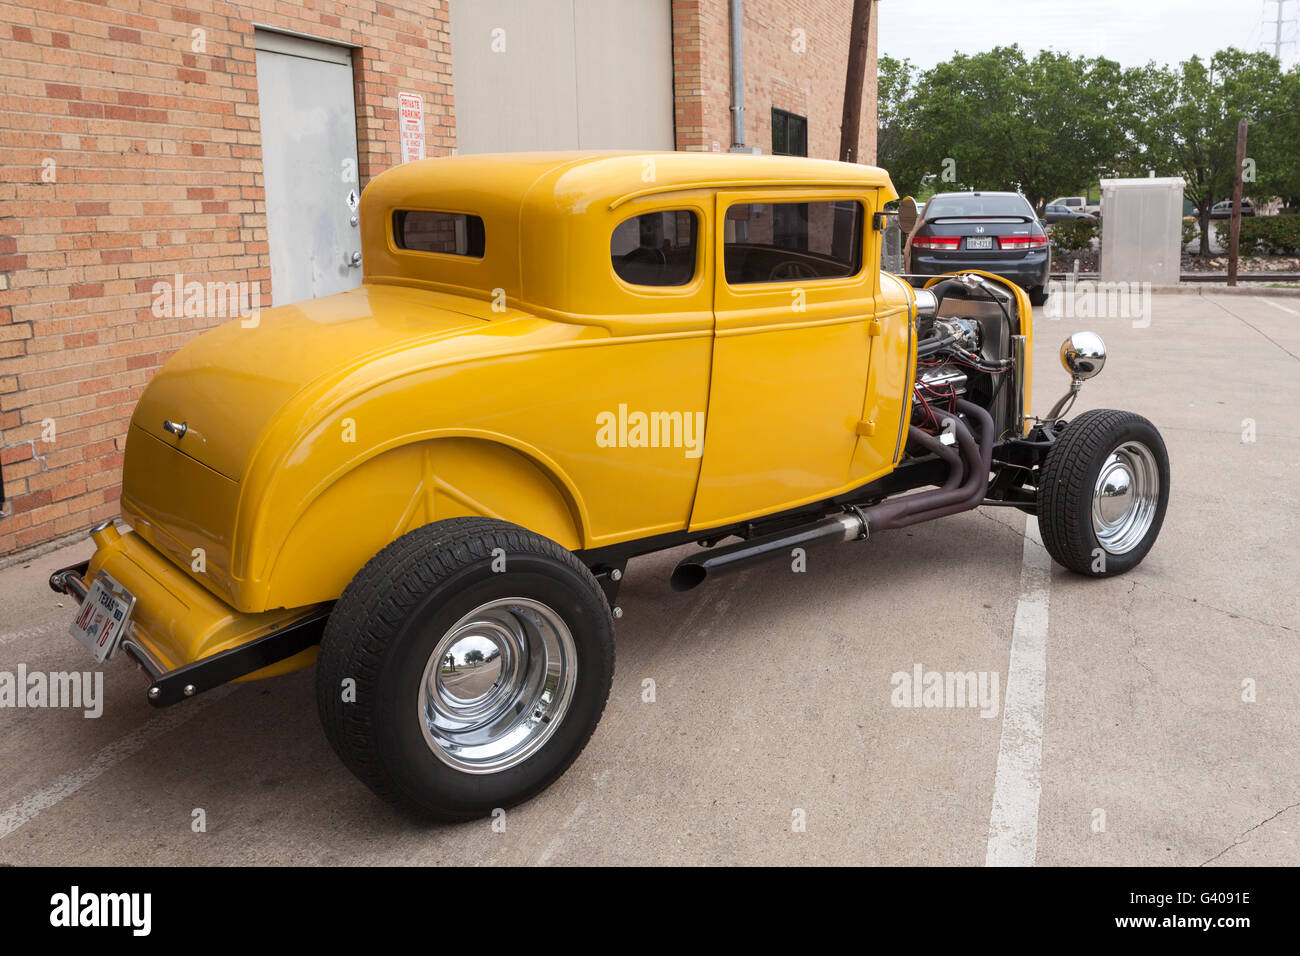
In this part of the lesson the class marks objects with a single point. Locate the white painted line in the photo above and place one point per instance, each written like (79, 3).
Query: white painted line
(1013, 824)
(35, 803)
(555, 844)
(1276, 306)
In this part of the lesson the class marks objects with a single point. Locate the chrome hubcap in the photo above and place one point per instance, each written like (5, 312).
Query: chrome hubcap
(1125, 497)
(497, 685)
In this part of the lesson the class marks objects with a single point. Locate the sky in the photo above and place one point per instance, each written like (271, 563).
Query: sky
(1130, 31)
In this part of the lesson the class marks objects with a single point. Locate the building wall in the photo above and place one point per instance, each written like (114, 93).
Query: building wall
(796, 54)
(563, 74)
(132, 150)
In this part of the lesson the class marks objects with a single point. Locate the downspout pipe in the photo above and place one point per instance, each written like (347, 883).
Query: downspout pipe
(738, 77)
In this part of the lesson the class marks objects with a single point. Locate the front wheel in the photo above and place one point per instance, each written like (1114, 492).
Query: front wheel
(1103, 492)
(465, 667)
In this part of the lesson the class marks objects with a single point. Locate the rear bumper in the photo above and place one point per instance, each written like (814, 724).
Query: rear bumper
(1031, 269)
(185, 639)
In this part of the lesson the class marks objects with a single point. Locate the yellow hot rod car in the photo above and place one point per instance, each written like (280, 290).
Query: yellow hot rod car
(432, 485)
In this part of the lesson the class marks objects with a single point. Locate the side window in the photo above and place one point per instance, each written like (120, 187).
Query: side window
(451, 233)
(655, 248)
(789, 241)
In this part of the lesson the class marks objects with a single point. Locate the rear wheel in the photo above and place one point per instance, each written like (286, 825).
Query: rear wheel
(1103, 492)
(1038, 295)
(465, 667)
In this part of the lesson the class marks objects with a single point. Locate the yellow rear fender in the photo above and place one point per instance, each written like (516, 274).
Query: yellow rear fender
(366, 508)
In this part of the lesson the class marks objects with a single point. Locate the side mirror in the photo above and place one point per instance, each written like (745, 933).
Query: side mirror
(908, 214)
(1084, 355)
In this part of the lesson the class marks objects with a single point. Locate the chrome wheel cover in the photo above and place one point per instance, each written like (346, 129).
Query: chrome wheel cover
(1125, 497)
(494, 714)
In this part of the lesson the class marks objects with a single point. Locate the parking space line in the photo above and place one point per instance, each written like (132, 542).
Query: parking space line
(37, 802)
(1017, 786)
(1276, 306)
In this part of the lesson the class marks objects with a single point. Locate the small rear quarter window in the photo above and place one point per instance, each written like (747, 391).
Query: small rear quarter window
(655, 248)
(450, 233)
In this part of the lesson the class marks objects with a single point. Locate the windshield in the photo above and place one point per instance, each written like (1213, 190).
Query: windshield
(960, 204)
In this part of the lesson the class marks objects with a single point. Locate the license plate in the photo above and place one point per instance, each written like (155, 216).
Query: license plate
(103, 617)
(979, 242)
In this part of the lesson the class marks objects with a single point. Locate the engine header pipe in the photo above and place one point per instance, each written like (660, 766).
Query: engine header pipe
(847, 526)
(857, 522)
(913, 509)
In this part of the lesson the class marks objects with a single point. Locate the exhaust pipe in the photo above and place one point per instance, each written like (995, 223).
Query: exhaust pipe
(964, 489)
(692, 571)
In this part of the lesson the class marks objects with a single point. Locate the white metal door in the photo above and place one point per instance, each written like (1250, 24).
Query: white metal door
(309, 160)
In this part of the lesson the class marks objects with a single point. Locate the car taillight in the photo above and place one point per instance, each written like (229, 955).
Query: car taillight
(936, 242)
(1022, 242)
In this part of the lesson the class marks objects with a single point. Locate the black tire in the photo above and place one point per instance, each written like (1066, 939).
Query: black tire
(385, 628)
(1065, 491)
(1038, 295)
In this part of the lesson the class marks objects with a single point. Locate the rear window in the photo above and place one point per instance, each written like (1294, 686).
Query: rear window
(655, 248)
(450, 233)
(792, 241)
(995, 207)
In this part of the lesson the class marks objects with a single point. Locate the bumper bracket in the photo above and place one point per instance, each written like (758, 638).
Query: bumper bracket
(172, 686)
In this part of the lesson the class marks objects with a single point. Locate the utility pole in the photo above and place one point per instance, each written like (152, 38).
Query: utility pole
(1235, 232)
(859, 43)
(1277, 28)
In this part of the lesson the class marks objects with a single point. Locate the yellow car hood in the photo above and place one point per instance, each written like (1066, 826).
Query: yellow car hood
(229, 383)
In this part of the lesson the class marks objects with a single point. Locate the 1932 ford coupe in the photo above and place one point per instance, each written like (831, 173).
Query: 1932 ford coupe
(558, 362)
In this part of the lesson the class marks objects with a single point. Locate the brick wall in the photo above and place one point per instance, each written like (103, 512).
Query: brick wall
(132, 153)
(796, 55)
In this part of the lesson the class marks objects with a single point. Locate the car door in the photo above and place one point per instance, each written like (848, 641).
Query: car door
(794, 302)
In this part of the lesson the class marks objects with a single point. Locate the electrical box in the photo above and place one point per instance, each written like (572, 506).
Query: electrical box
(1142, 230)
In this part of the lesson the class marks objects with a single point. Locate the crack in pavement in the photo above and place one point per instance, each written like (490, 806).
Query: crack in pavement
(1233, 614)
(984, 514)
(1260, 331)
(1239, 840)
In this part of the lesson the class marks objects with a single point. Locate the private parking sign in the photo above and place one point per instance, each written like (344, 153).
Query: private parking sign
(410, 110)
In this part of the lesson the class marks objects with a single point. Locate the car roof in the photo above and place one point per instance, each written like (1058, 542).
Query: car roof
(571, 201)
(612, 177)
(977, 192)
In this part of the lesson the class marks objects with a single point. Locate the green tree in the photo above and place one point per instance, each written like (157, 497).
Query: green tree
(1184, 121)
(999, 120)
(896, 131)
(474, 657)
(1274, 144)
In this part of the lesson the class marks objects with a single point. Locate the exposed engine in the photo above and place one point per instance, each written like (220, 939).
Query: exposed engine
(968, 353)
